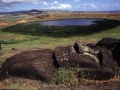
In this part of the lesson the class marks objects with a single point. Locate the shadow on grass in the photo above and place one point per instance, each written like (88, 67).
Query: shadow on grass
(56, 31)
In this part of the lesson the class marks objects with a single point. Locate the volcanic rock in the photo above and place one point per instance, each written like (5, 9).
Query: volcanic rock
(34, 64)
(108, 43)
(66, 56)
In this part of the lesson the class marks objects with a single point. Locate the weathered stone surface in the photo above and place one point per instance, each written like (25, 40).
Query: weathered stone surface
(35, 64)
(67, 56)
(116, 53)
(108, 43)
(26, 81)
(108, 61)
(113, 45)
(93, 61)
(79, 46)
(105, 71)
(89, 49)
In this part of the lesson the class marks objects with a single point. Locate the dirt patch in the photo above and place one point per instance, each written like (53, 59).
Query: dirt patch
(3, 23)
(22, 21)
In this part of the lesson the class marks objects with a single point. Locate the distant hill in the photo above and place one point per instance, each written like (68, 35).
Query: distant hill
(110, 11)
(34, 11)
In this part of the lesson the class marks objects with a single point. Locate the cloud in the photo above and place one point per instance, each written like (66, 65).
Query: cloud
(18, 1)
(61, 6)
(2, 9)
(55, 2)
(93, 5)
(6, 4)
(89, 5)
(116, 5)
(64, 6)
(45, 3)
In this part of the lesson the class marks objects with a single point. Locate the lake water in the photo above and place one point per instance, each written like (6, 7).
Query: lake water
(68, 22)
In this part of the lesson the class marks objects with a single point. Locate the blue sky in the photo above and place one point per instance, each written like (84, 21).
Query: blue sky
(73, 5)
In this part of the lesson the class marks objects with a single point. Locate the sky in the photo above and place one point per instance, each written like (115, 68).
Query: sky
(72, 5)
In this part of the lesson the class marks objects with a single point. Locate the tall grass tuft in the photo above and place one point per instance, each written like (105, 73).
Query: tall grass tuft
(66, 76)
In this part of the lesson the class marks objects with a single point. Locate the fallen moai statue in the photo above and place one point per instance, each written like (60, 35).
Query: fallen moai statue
(92, 62)
(34, 64)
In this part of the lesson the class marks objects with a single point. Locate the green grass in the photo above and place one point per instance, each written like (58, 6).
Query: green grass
(16, 41)
(16, 87)
(19, 87)
(66, 76)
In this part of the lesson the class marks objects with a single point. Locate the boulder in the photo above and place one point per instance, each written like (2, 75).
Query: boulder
(108, 43)
(34, 64)
(66, 56)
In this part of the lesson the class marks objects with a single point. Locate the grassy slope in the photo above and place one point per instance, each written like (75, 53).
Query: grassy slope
(37, 41)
